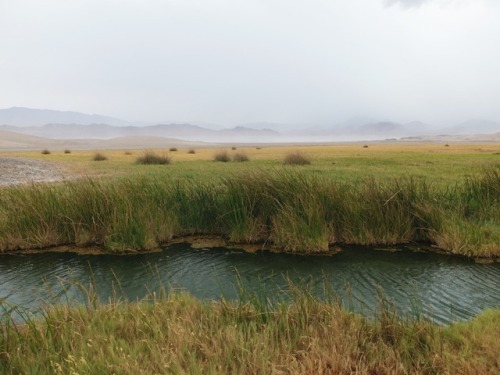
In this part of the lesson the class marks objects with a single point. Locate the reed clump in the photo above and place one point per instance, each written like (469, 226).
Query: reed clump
(150, 158)
(222, 156)
(180, 334)
(296, 158)
(99, 157)
(240, 157)
(297, 212)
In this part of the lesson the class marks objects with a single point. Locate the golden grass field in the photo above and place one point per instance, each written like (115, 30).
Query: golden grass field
(441, 162)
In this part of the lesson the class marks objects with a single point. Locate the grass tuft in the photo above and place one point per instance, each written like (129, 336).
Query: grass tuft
(99, 157)
(240, 157)
(222, 156)
(296, 158)
(150, 158)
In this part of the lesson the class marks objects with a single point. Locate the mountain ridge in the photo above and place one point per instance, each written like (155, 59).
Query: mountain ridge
(84, 126)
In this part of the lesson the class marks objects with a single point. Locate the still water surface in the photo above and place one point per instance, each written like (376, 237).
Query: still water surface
(444, 288)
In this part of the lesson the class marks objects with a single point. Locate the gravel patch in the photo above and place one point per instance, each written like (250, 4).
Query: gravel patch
(14, 171)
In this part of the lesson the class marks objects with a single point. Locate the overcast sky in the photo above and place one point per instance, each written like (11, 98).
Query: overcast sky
(241, 61)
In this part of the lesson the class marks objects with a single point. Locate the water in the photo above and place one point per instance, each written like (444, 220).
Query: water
(443, 288)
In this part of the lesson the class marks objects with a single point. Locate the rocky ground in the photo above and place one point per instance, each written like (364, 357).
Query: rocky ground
(18, 171)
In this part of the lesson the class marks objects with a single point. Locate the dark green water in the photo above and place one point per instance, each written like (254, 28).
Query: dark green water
(441, 287)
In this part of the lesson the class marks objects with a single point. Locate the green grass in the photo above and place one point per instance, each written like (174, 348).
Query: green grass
(180, 334)
(291, 209)
(444, 166)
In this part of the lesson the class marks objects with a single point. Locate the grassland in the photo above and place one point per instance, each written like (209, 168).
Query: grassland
(346, 163)
(383, 194)
(370, 196)
(180, 334)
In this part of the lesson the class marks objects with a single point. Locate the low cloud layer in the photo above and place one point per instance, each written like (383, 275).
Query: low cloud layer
(407, 3)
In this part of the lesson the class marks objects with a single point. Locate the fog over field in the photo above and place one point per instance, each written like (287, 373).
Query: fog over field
(242, 70)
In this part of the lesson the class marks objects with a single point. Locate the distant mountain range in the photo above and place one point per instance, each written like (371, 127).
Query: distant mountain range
(20, 116)
(75, 125)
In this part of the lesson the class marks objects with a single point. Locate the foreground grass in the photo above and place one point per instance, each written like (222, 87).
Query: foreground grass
(180, 334)
(295, 211)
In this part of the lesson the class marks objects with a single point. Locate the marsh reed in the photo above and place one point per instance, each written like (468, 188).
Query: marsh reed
(297, 212)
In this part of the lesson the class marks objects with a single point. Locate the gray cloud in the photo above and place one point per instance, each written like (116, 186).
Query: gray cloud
(240, 61)
(406, 3)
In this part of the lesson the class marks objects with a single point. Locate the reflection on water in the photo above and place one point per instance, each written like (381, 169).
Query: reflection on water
(444, 288)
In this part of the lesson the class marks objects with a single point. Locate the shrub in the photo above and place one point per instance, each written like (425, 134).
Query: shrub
(222, 156)
(45, 152)
(240, 157)
(173, 149)
(150, 157)
(191, 151)
(99, 157)
(128, 153)
(296, 158)
(233, 148)
(67, 151)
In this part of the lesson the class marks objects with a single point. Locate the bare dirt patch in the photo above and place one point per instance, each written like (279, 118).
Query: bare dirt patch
(15, 171)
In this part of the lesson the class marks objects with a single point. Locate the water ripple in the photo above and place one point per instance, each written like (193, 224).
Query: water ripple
(440, 287)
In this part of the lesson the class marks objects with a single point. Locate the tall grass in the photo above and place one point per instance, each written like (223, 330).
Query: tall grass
(297, 212)
(180, 334)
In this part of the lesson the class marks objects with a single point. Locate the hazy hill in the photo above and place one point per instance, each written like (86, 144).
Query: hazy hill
(20, 116)
(383, 128)
(474, 126)
(12, 140)
(75, 125)
(180, 131)
(17, 141)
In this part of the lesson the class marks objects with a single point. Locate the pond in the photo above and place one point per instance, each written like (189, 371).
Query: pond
(443, 288)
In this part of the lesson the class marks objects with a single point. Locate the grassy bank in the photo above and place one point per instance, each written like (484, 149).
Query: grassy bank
(293, 210)
(179, 334)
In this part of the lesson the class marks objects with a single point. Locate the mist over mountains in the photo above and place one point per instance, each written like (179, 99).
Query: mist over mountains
(75, 125)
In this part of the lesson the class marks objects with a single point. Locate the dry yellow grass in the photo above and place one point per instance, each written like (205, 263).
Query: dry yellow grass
(182, 335)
